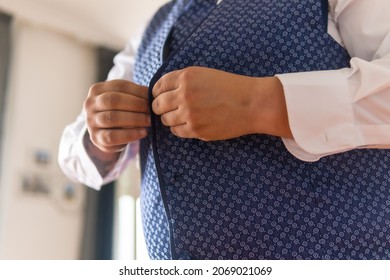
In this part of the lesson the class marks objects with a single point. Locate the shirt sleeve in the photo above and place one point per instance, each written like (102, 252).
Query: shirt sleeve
(73, 158)
(339, 110)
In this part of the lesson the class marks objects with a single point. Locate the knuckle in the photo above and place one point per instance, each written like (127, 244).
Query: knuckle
(94, 89)
(108, 138)
(158, 86)
(108, 117)
(119, 84)
(156, 106)
(164, 120)
(105, 118)
(187, 93)
(187, 96)
(110, 99)
(88, 104)
(99, 120)
(187, 74)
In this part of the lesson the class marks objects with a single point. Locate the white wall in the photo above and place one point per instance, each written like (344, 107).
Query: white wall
(100, 22)
(53, 66)
(50, 77)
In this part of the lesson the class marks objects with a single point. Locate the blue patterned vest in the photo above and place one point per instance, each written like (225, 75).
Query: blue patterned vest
(248, 198)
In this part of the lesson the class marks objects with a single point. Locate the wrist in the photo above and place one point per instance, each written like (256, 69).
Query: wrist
(268, 108)
(103, 161)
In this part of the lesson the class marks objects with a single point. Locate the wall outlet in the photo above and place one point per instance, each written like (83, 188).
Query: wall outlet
(35, 183)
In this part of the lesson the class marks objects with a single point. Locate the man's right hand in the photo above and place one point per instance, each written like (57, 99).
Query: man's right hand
(117, 113)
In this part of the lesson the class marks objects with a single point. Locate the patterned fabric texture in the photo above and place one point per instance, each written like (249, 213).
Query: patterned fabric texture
(248, 198)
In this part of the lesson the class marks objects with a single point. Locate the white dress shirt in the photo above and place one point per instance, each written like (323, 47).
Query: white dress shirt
(329, 111)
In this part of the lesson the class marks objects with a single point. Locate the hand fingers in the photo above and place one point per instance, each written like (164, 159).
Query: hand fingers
(165, 103)
(168, 82)
(118, 119)
(119, 86)
(113, 140)
(120, 102)
(117, 113)
(183, 131)
(172, 118)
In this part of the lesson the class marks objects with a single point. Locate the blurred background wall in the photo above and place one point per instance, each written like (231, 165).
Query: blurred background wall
(54, 45)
